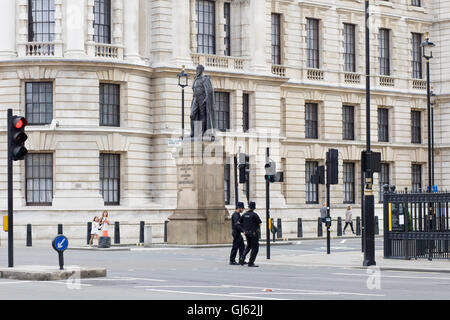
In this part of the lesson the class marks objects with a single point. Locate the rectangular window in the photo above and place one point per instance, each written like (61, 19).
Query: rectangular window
(417, 56)
(348, 123)
(39, 179)
(109, 104)
(383, 125)
(102, 21)
(227, 27)
(39, 102)
(312, 43)
(349, 48)
(385, 63)
(311, 121)
(416, 177)
(349, 183)
(416, 130)
(206, 26)
(312, 189)
(276, 38)
(41, 20)
(227, 183)
(245, 112)
(110, 178)
(222, 110)
(383, 178)
(415, 3)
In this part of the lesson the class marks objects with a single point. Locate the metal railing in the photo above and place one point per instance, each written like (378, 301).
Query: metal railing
(416, 225)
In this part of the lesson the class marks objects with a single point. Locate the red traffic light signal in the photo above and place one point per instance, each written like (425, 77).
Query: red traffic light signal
(17, 138)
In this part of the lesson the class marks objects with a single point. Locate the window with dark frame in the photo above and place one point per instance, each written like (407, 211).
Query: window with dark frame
(227, 27)
(416, 177)
(276, 38)
(311, 121)
(349, 47)
(417, 56)
(348, 122)
(384, 51)
(41, 20)
(206, 26)
(349, 182)
(383, 178)
(39, 102)
(416, 3)
(222, 102)
(109, 104)
(39, 179)
(227, 183)
(312, 189)
(102, 21)
(383, 125)
(312, 43)
(245, 112)
(110, 178)
(416, 128)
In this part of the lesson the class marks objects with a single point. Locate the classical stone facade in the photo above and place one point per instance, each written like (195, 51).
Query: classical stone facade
(284, 64)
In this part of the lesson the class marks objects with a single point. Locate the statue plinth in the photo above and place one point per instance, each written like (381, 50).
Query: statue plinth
(201, 216)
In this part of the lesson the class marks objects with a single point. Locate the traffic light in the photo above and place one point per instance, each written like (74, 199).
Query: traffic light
(332, 166)
(271, 171)
(319, 175)
(18, 137)
(371, 161)
(244, 167)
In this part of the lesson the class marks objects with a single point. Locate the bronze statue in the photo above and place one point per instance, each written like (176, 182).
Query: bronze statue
(202, 107)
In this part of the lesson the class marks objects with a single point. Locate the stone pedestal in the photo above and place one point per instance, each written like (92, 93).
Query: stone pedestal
(201, 216)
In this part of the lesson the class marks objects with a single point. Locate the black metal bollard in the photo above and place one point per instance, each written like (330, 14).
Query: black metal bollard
(319, 227)
(165, 230)
(358, 226)
(116, 232)
(60, 229)
(279, 229)
(89, 229)
(29, 241)
(299, 228)
(377, 226)
(141, 232)
(339, 227)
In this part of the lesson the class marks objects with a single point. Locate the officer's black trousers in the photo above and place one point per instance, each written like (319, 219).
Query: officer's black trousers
(253, 245)
(238, 244)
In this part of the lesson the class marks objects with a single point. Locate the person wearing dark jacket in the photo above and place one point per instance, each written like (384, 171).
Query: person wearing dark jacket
(251, 224)
(238, 241)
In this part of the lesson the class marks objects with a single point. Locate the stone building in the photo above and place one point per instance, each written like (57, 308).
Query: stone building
(97, 80)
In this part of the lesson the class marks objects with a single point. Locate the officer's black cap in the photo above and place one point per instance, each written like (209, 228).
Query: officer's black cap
(240, 205)
(252, 205)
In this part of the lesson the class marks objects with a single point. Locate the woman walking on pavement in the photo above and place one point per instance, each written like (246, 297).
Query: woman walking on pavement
(348, 219)
(105, 223)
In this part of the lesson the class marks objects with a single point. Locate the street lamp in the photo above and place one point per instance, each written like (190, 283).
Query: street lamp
(427, 53)
(183, 79)
(433, 98)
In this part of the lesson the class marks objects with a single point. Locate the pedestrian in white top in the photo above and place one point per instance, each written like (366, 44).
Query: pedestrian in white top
(348, 219)
(95, 230)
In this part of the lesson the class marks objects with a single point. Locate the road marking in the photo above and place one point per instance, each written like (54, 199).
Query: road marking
(344, 241)
(213, 294)
(153, 249)
(388, 276)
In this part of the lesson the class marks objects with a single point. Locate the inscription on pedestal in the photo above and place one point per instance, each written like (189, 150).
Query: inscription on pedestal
(185, 176)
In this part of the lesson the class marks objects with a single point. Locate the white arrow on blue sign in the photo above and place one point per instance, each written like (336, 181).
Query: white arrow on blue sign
(60, 243)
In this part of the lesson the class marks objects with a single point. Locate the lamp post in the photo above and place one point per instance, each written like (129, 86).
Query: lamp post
(433, 99)
(428, 54)
(183, 80)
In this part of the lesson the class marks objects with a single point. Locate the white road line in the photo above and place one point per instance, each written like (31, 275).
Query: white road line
(344, 241)
(125, 279)
(212, 294)
(183, 287)
(388, 276)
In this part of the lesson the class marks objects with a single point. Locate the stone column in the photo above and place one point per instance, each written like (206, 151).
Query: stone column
(8, 19)
(131, 30)
(181, 32)
(75, 26)
(257, 15)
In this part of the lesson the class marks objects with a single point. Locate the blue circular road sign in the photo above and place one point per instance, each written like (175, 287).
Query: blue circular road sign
(60, 243)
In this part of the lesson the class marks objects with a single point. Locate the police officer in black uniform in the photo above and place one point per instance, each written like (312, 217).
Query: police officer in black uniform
(238, 241)
(250, 223)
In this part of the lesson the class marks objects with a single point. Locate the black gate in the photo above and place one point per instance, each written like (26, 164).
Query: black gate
(416, 225)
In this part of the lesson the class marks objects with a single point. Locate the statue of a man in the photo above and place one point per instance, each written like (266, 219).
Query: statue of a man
(202, 107)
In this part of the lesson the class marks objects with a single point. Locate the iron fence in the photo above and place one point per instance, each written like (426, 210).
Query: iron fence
(416, 225)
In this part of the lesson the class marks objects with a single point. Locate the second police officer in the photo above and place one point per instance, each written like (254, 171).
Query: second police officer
(250, 223)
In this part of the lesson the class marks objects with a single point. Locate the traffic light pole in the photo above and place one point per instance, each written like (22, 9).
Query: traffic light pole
(328, 216)
(236, 188)
(267, 209)
(10, 196)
